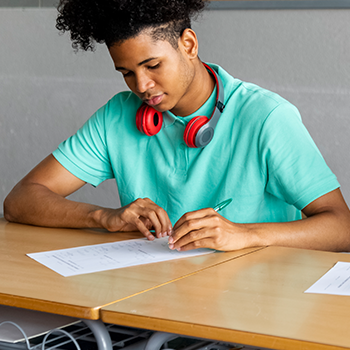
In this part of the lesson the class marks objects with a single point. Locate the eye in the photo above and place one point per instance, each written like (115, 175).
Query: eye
(155, 66)
(126, 74)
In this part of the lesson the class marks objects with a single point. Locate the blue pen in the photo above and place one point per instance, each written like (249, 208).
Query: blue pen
(222, 205)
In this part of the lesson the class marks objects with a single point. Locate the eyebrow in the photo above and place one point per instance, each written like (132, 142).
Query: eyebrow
(139, 64)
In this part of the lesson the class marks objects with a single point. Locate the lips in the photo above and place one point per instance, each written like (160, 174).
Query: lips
(153, 101)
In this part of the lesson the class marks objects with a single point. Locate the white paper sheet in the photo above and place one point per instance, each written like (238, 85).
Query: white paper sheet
(335, 281)
(108, 256)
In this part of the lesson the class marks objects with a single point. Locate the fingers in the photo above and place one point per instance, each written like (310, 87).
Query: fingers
(145, 215)
(196, 230)
(194, 240)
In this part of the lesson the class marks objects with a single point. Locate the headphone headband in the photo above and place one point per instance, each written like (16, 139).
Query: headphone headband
(206, 132)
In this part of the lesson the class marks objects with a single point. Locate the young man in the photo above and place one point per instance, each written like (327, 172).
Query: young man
(260, 154)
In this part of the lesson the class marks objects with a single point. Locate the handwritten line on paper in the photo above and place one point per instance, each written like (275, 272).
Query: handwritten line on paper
(108, 256)
(335, 281)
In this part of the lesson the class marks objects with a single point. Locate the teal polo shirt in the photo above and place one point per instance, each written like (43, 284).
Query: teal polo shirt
(261, 156)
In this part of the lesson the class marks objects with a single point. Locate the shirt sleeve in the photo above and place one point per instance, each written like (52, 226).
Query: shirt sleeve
(297, 172)
(85, 154)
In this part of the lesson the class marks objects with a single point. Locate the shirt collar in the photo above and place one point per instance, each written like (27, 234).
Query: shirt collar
(206, 110)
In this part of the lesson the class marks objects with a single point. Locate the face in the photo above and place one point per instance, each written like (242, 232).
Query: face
(156, 72)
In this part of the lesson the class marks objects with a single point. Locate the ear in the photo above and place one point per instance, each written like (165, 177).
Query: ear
(189, 43)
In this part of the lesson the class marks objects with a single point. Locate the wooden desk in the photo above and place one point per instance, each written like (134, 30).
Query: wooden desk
(27, 284)
(256, 300)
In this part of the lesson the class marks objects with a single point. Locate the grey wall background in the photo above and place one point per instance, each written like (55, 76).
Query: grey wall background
(47, 91)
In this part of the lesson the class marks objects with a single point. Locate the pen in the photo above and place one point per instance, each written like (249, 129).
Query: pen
(222, 205)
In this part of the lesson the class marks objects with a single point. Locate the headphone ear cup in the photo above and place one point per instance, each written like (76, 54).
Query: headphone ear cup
(139, 116)
(148, 120)
(192, 129)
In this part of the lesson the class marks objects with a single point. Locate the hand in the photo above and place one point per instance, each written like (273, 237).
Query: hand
(206, 228)
(141, 215)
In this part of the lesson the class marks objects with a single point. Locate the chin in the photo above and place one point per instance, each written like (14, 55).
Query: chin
(161, 108)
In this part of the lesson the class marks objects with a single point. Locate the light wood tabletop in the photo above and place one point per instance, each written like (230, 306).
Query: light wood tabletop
(256, 300)
(27, 284)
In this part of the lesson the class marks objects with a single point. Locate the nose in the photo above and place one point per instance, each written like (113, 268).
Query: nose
(143, 83)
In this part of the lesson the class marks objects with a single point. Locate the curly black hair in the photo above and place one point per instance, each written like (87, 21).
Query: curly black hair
(114, 21)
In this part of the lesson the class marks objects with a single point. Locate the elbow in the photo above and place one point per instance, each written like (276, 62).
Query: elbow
(9, 207)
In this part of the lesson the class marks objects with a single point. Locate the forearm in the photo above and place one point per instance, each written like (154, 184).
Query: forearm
(35, 204)
(327, 227)
(324, 231)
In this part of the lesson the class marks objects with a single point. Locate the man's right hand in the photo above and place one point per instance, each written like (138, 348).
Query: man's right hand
(40, 199)
(141, 215)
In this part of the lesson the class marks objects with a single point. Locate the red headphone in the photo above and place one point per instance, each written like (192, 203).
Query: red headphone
(198, 132)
